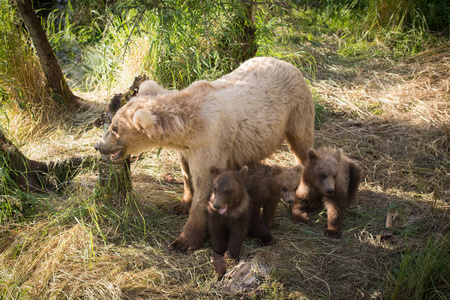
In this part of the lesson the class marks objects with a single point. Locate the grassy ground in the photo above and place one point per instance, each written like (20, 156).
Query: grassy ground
(391, 114)
(393, 119)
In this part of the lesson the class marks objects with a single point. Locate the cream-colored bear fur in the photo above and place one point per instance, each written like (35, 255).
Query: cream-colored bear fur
(238, 119)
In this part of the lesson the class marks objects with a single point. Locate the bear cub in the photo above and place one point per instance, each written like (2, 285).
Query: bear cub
(232, 217)
(267, 185)
(329, 179)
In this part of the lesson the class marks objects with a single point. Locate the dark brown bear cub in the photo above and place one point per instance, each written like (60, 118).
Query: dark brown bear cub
(330, 179)
(232, 217)
(266, 185)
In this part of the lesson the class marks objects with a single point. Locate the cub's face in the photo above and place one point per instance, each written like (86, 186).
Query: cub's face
(324, 165)
(227, 188)
(288, 181)
(123, 137)
(325, 174)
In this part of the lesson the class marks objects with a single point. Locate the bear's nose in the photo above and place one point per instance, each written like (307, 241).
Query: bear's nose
(216, 206)
(291, 201)
(96, 146)
(330, 191)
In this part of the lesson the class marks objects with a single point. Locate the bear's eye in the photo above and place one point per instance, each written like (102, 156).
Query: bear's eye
(115, 129)
(335, 176)
(284, 189)
(323, 176)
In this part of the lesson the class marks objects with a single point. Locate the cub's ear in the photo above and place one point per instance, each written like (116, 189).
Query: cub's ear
(339, 153)
(144, 121)
(313, 156)
(215, 171)
(276, 169)
(242, 174)
(298, 168)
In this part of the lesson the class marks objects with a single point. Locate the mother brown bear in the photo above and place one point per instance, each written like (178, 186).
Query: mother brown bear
(228, 123)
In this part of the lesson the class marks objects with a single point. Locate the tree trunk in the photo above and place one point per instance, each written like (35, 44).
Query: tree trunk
(114, 178)
(54, 78)
(36, 176)
(240, 44)
(247, 38)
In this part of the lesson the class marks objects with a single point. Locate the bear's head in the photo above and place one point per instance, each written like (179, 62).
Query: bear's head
(322, 168)
(228, 189)
(132, 130)
(287, 180)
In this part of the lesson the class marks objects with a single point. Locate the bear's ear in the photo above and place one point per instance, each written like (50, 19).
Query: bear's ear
(215, 171)
(298, 168)
(144, 120)
(313, 156)
(276, 170)
(339, 153)
(242, 174)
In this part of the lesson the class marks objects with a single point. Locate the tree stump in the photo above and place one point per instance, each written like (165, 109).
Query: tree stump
(114, 178)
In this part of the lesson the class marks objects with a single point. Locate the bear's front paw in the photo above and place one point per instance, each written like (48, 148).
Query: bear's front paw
(181, 208)
(333, 232)
(181, 244)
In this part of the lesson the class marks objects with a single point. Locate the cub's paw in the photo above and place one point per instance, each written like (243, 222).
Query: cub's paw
(219, 263)
(333, 232)
(301, 217)
(267, 240)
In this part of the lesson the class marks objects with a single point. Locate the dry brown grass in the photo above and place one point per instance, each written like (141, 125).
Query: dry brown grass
(394, 120)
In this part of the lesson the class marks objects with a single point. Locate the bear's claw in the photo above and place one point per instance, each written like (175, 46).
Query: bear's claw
(179, 209)
(333, 233)
(180, 245)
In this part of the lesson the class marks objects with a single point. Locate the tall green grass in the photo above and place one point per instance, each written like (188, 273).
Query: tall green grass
(422, 273)
(16, 204)
(176, 43)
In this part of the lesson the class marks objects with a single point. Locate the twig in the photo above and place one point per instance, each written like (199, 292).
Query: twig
(125, 46)
(206, 24)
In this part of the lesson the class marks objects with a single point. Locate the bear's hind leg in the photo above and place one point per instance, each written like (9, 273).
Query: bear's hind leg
(300, 135)
(258, 230)
(182, 208)
(355, 176)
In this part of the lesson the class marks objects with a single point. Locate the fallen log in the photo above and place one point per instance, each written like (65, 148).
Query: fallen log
(20, 172)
